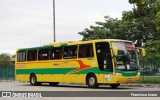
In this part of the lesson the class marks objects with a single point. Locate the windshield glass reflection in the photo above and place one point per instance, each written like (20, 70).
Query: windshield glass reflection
(126, 59)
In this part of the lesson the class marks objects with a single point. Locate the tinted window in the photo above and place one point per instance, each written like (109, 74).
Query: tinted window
(21, 57)
(43, 54)
(85, 50)
(56, 53)
(70, 52)
(32, 55)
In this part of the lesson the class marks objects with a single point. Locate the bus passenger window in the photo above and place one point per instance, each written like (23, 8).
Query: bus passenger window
(21, 57)
(43, 54)
(56, 53)
(70, 52)
(32, 55)
(85, 51)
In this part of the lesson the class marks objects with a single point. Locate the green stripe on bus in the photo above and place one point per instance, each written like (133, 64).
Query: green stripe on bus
(95, 70)
(64, 45)
(45, 71)
(127, 73)
(35, 48)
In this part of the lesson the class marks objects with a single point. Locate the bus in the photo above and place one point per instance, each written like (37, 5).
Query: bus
(93, 62)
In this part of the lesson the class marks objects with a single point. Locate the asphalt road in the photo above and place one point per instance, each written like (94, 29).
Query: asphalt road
(19, 86)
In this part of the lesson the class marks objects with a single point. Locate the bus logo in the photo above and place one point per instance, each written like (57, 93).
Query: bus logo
(6, 94)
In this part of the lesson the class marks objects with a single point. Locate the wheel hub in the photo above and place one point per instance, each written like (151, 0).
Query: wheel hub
(33, 80)
(92, 81)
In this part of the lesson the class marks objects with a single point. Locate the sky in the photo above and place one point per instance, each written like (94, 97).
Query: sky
(29, 23)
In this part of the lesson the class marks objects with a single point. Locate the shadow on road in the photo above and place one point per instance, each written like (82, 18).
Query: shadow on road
(81, 86)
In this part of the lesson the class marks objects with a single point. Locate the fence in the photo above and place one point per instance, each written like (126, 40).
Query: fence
(150, 71)
(7, 73)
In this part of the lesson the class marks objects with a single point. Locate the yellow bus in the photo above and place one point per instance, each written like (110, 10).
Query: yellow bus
(94, 62)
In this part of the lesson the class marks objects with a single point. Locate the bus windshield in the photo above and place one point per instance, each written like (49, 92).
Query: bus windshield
(127, 56)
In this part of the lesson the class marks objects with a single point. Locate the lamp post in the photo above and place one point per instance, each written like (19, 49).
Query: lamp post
(54, 30)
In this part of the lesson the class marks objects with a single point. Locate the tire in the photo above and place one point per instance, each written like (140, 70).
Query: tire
(114, 86)
(53, 83)
(33, 80)
(92, 81)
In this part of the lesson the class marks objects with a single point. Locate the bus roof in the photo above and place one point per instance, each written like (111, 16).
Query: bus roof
(79, 42)
(65, 43)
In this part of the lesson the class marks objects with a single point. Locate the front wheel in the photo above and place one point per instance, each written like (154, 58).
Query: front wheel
(114, 86)
(33, 80)
(92, 81)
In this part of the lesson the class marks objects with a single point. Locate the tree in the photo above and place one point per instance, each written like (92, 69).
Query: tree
(145, 15)
(153, 49)
(111, 28)
(141, 24)
(5, 60)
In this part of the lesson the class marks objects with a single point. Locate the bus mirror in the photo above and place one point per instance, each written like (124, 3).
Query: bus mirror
(141, 51)
(115, 51)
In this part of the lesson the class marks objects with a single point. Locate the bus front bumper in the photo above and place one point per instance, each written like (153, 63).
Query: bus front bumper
(113, 79)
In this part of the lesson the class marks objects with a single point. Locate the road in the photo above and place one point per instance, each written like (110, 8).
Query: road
(19, 86)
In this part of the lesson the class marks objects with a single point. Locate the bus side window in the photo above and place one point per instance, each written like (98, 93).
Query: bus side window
(32, 55)
(21, 57)
(43, 54)
(56, 53)
(70, 52)
(85, 51)
(89, 50)
(82, 49)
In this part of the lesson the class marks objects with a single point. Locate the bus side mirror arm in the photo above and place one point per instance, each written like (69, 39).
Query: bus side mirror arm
(141, 51)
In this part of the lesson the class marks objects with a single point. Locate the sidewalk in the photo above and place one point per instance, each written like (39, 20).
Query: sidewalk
(147, 85)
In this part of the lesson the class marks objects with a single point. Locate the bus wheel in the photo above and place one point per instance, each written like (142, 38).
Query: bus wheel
(92, 81)
(33, 80)
(53, 83)
(114, 86)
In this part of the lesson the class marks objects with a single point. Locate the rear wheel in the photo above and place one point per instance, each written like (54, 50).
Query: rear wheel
(114, 86)
(33, 80)
(53, 83)
(92, 81)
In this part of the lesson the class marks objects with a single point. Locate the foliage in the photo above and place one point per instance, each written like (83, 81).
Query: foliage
(104, 30)
(141, 24)
(5, 60)
(153, 49)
